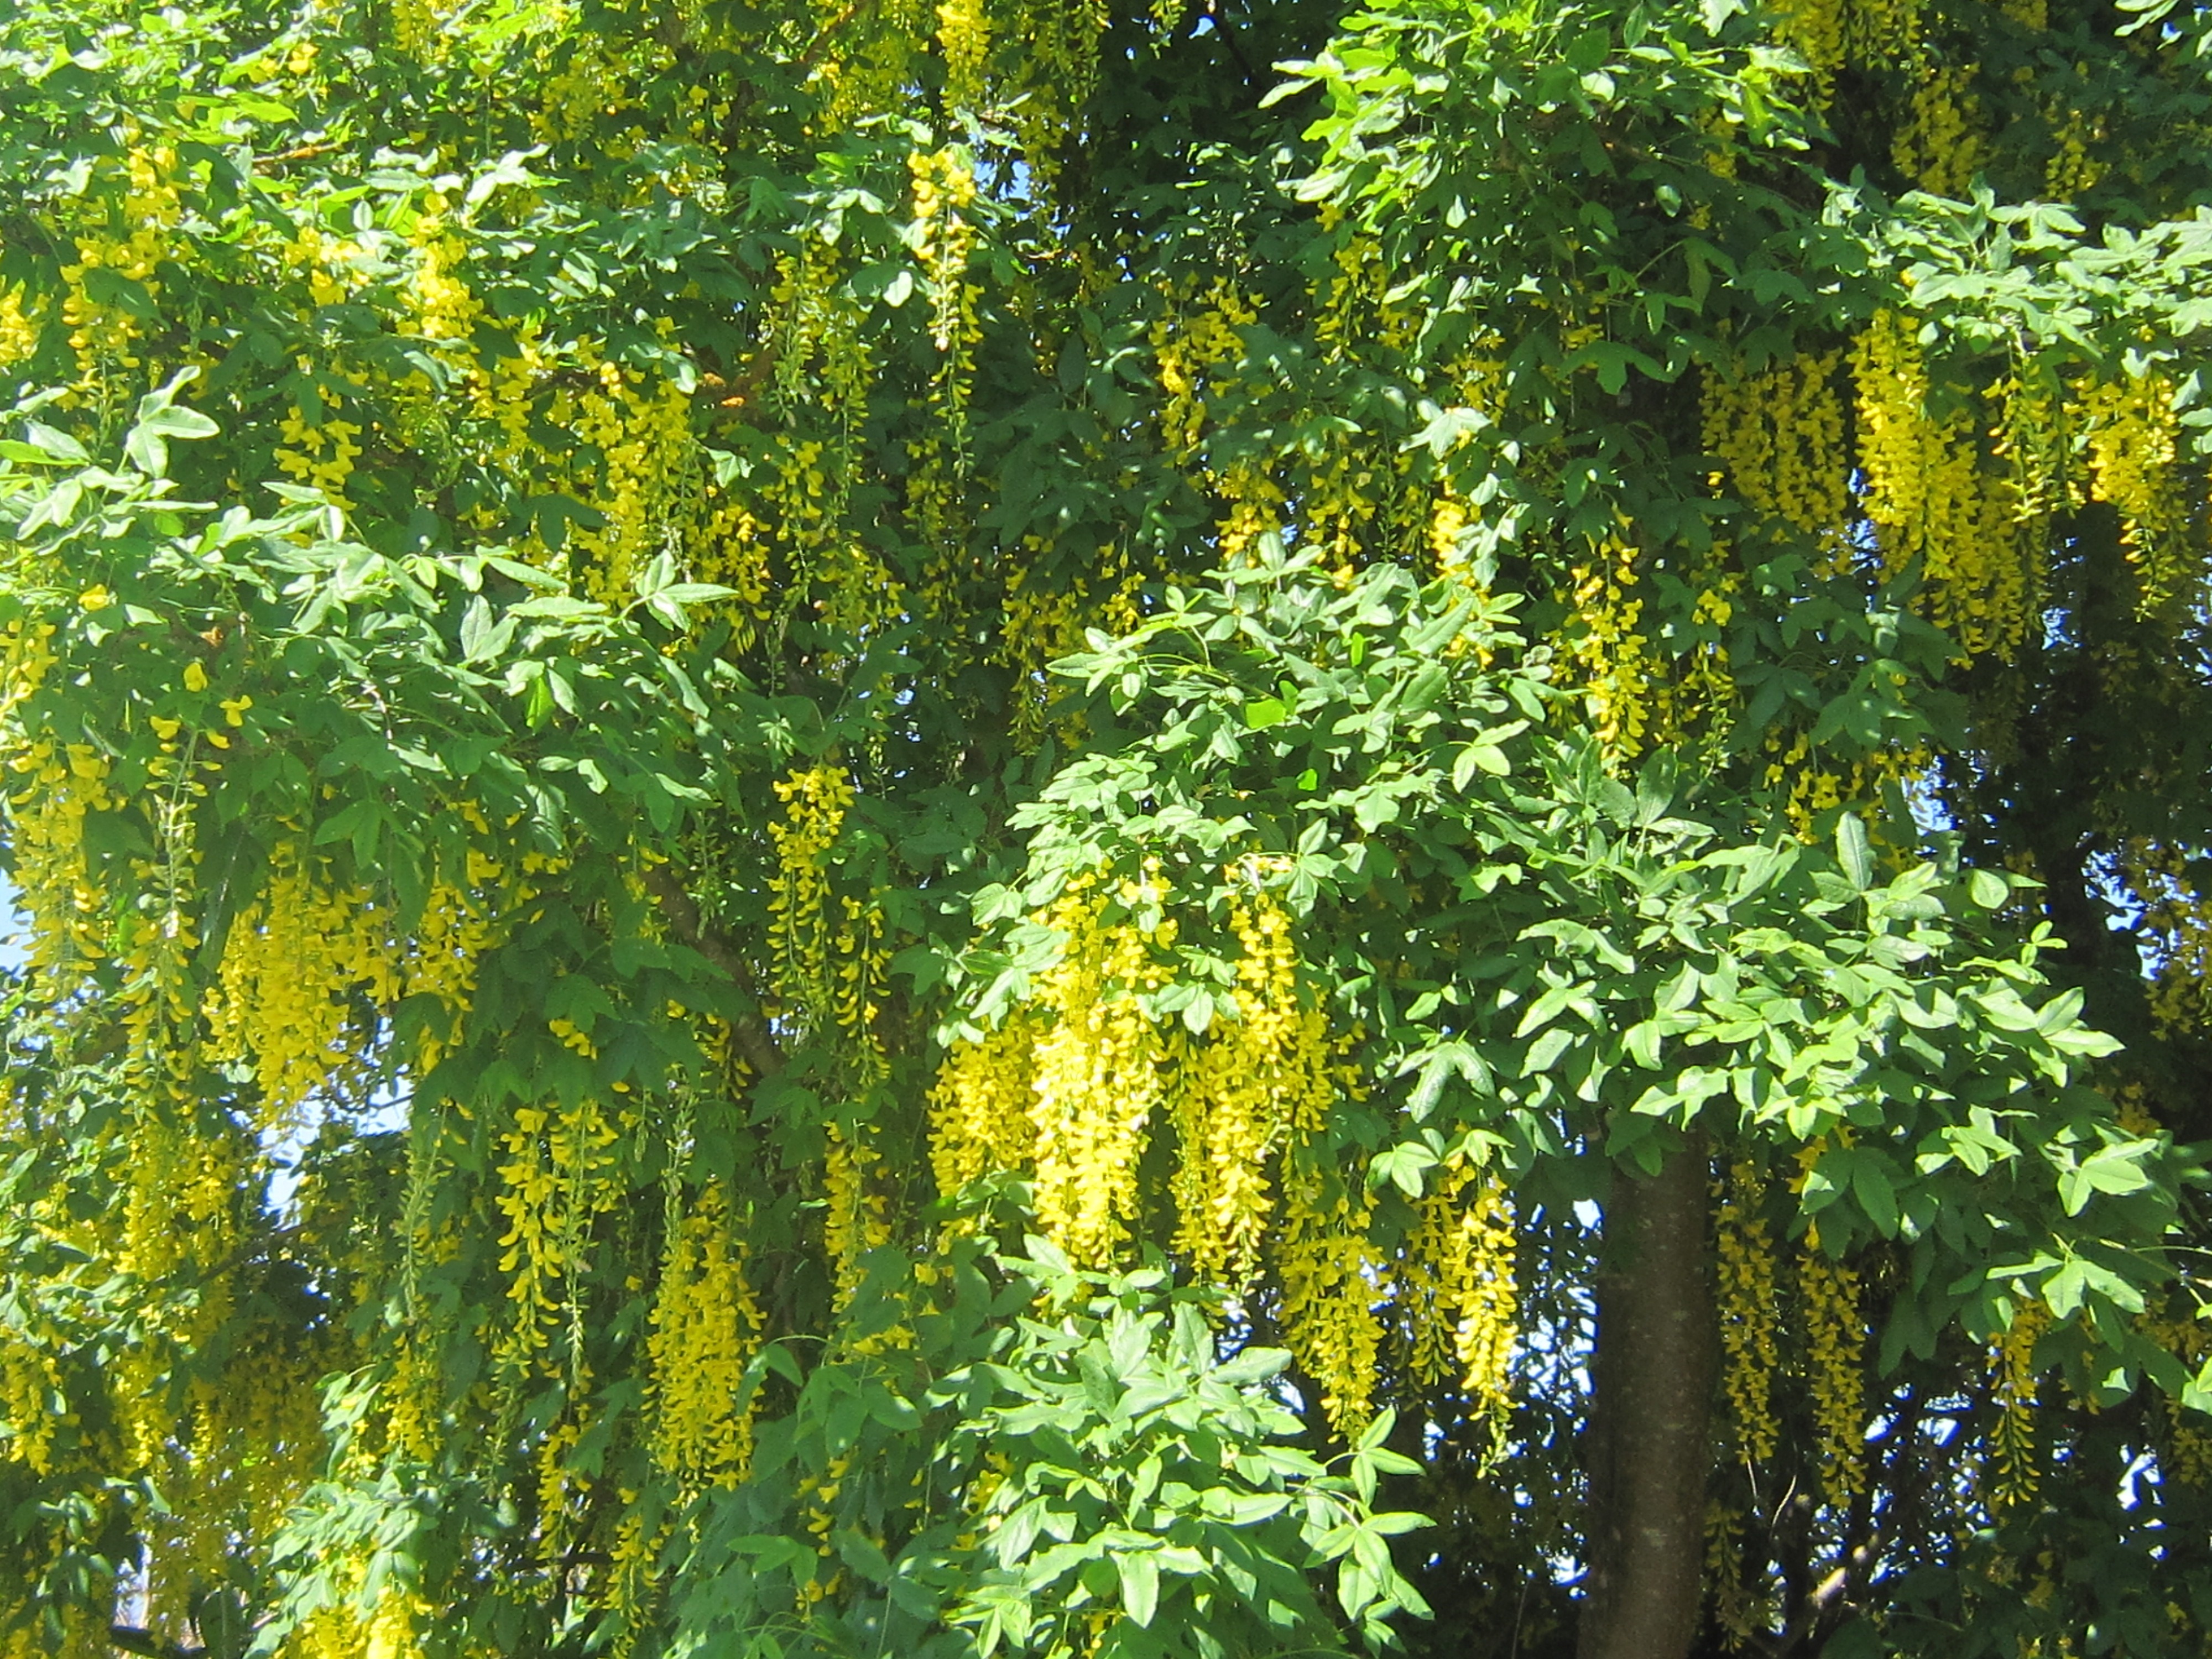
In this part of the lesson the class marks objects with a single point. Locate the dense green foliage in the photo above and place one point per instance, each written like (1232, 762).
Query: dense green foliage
(888, 829)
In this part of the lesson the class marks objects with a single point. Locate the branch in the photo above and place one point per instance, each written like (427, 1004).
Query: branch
(1227, 31)
(1853, 1565)
(682, 912)
(131, 1639)
(1821, 1607)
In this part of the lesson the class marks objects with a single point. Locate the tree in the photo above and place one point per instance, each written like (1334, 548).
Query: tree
(974, 829)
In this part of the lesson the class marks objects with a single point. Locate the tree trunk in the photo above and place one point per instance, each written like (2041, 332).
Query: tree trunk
(1649, 1438)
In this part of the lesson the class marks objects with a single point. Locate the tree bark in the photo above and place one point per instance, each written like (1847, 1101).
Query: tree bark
(1650, 1433)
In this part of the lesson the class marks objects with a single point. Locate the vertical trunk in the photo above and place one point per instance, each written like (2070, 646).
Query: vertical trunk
(1650, 1437)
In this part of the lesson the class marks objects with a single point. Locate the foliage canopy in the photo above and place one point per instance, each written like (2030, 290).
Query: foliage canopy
(972, 827)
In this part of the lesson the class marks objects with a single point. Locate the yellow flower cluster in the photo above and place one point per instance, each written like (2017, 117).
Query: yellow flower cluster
(1237, 1093)
(414, 1396)
(60, 787)
(1816, 30)
(979, 1108)
(1200, 355)
(2032, 438)
(177, 1208)
(864, 961)
(2176, 915)
(1737, 1608)
(799, 930)
(1040, 623)
(1448, 523)
(1358, 494)
(552, 1187)
(1070, 1084)
(2012, 1462)
(2188, 1451)
(641, 429)
(1358, 308)
(1614, 662)
(1052, 79)
(1254, 504)
(731, 548)
(1196, 354)
(1459, 1277)
(418, 29)
(1931, 501)
(292, 964)
(863, 597)
(1746, 1255)
(1330, 1282)
(1779, 433)
(32, 1409)
(1835, 1336)
(1356, 490)
(1941, 145)
(2133, 434)
(633, 1572)
(1818, 788)
(1702, 697)
(1102, 1076)
(943, 239)
(1883, 32)
(444, 308)
(864, 60)
(19, 329)
(590, 86)
(27, 652)
(2072, 169)
(450, 937)
(151, 210)
(280, 997)
(231, 1463)
(501, 397)
(320, 454)
(856, 1218)
(963, 35)
(706, 1329)
(343, 1631)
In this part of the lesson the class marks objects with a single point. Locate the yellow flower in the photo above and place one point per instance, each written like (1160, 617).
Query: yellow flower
(96, 599)
(195, 677)
(164, 728)
(233, 708)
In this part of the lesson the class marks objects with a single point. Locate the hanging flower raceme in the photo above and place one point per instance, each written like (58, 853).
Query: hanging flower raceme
(1835, 1366)
(1239, 1090)
(1937, 505)
(706, 1328)
(1745, 1252)
(2012, 1475)
(2133, 432)
(1103, 1075)
(1459, 1289)
(800, 925)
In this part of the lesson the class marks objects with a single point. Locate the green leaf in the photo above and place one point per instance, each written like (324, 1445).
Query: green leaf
(1479, 757)
(1141, 1585)
(1403, 1166)
(1852, 851)
(50, 443)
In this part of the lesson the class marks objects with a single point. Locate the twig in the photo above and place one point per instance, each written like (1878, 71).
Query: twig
(682, 913)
